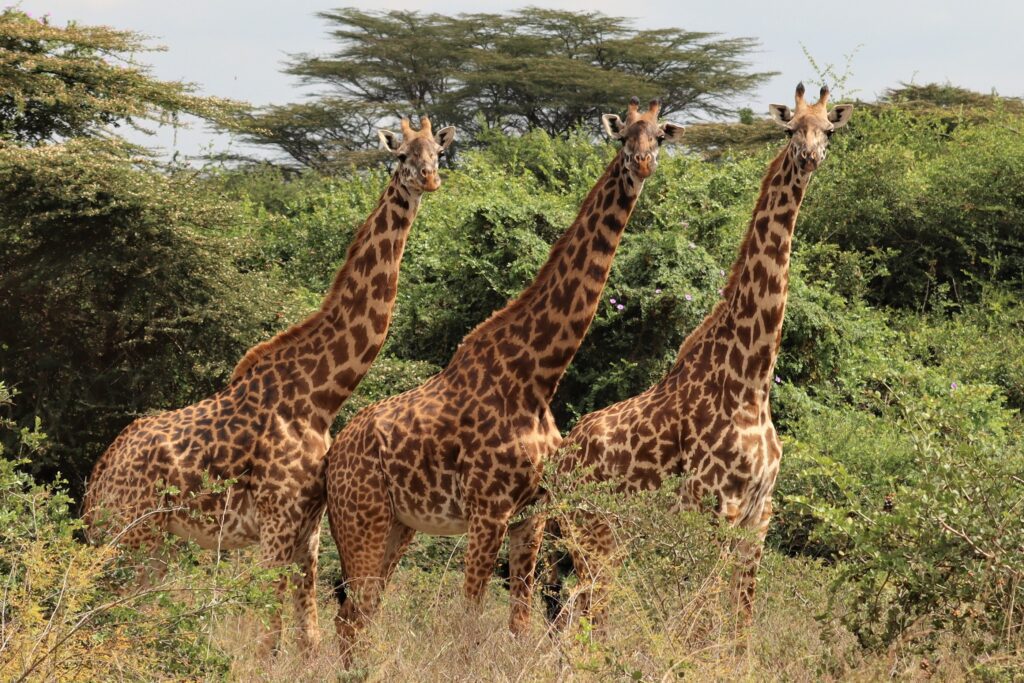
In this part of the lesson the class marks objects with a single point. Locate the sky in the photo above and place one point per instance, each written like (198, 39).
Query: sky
(236, 48)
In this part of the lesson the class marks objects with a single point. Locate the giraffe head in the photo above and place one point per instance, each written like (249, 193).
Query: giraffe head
(810, 126)
(641, 136)
(417, 152)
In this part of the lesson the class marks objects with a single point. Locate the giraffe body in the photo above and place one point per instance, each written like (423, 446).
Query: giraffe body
(709, 420)
(246, 465)
(463, 452)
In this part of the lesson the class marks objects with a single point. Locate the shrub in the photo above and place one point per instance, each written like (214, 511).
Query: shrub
(119, 294)
(69, 611)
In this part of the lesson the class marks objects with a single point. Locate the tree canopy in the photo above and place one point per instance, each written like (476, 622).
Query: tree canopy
(61, 82)
(532, 68)
(119, 286)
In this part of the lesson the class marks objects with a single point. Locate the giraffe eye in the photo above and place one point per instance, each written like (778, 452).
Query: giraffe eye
(789, 132)
(401, 158)
(828, 133)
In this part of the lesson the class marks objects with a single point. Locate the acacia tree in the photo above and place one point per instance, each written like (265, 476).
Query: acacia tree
(61, 82)
(532, 68)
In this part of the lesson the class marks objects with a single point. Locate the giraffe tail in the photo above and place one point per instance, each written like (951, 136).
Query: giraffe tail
(340, 594)
(559, 567)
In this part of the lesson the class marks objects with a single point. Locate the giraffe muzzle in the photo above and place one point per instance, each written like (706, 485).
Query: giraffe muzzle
(431, 181)
(644, 165)
(808, 161)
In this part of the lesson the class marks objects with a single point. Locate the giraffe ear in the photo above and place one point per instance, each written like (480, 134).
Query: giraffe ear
(389, 140)
(673, 132)
(840, 115)
(445, 137)
(781, 114)
(613, 126)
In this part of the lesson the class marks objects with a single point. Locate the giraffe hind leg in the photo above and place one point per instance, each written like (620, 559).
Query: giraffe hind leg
(366, 574)
(559, 567)
(525, 539)
(370, 543)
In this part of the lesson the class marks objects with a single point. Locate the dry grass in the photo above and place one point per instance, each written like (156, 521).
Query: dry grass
(426, 632)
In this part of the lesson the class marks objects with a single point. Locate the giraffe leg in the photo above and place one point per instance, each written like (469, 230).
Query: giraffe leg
(591, 548)
(150, 550)
(485, 537)
(283, 542)
(370, 544)
(748, 559)
(367, 571)
(398, 541)
(592, 555)
(558, 566)
(524, 544)
(304, 595)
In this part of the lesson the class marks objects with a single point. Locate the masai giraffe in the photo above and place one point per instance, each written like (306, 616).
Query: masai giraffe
(267, 431)
(709, 419)
(463, 452)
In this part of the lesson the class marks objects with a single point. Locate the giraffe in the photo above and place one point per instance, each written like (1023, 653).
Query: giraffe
(709, 418)
(267, 431)
(462, 453)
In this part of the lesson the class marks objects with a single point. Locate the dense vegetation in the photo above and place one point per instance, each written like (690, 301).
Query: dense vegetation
(127, 286)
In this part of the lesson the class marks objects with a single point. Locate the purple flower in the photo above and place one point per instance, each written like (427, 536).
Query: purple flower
(620, 307)
(954, 386)
(612, 301)
(657, 291)
(721, 292)
(778, 380)
(721, 273)
(688, 297)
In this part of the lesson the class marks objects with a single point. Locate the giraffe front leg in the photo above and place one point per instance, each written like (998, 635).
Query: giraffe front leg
(748, 554)
(592, 547)
(284, 543)
(304, 595)
(524, 544)
(485, 537)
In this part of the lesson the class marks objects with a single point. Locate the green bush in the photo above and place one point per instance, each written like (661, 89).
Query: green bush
(938, 203)
(70, 611)
(119, 293)
(912, 485)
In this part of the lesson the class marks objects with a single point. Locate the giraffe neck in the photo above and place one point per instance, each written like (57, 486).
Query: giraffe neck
(324, 357)
(529, 343)
(750, 317)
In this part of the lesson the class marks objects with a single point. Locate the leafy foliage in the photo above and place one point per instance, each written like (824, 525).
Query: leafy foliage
(937, 206)
(62, 82)
(66, 609)
(120, 293)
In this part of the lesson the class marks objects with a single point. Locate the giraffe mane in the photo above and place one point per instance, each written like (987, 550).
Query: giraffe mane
(257, 353)
(731, 286)
(500, 316)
